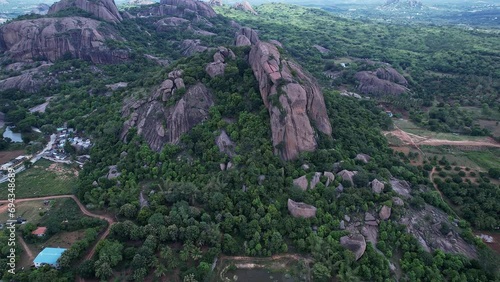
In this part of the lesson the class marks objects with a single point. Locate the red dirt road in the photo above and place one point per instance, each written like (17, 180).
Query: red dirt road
(84, 210)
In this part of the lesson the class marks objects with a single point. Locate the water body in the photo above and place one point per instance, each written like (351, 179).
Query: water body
(15, 137)
(258, 274)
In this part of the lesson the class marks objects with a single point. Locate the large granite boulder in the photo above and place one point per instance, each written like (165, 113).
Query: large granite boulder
(385, 213)
(218, 66)
(347, 175)
(293, 99)
(363, 158)
(355, 243)
(377, 186)
(383, 81)
(246, 37)
(299, 209)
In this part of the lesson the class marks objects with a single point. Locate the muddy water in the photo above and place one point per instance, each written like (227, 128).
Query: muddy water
(258, 274)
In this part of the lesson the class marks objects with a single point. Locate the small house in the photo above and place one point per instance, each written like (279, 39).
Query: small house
(40, 231)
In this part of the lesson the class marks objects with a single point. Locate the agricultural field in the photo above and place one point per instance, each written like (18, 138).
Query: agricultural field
(44, 178)
(6, 156)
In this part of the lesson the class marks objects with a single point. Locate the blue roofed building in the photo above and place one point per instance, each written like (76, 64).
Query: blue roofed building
(49, 256)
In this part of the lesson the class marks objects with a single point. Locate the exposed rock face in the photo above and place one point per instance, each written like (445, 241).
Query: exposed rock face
(428, 233)
(369, 217)
(245, 6)
(397, 201)
(52, 38)
(383, 81)
(246, 37)
(293, 99)
(225, 144)
(299, 209)
(170, 23)
(192, 46)
(218, 66)
(363, 157)
(102, 9)
(377, 186)
(330, 176)
(30, 80)
(159, 124)
(385, 213)
(347, 175)
(301, 182)
(401, 187)
(321, 49)
(370, 233)
(161, 62)
(180, 8)
(355, 243)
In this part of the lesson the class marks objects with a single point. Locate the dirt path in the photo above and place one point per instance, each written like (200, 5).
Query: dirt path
(84, 210)
(26, 248)
(416, 140)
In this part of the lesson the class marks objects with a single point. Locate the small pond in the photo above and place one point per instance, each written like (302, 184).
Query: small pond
(15, 137)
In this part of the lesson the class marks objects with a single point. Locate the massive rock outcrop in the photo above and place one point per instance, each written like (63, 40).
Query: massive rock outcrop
(29, 80)
(299, 209)
(160, 124)
(52, 38)
(102, 9)
(293, 99)
(383, 81)
(180, 8)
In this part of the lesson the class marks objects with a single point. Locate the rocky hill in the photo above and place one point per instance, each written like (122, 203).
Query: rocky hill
(52, 38)
(180, 8)
(103, 9)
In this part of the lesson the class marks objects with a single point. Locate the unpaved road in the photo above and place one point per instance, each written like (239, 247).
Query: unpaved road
(416, 140)
(84, 210)
(26, 248)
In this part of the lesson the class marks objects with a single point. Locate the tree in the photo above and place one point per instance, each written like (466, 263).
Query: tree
(321, 272)
(103, 269)
(494, 173)
(128, 210)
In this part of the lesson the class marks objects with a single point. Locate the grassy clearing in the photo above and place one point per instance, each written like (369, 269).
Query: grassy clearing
(478, 113)
(43, 179)
(412, 128)
(485, 159)
(491, 125)
(27, 210)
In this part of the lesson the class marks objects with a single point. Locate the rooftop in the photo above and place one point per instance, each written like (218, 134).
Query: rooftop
(49, 255)
(39, 231)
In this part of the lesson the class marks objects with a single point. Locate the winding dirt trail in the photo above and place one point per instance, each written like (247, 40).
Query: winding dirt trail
(417, 140)
(84, 210)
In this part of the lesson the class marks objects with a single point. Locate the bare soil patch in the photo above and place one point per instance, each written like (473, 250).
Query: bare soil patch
(6, 156)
